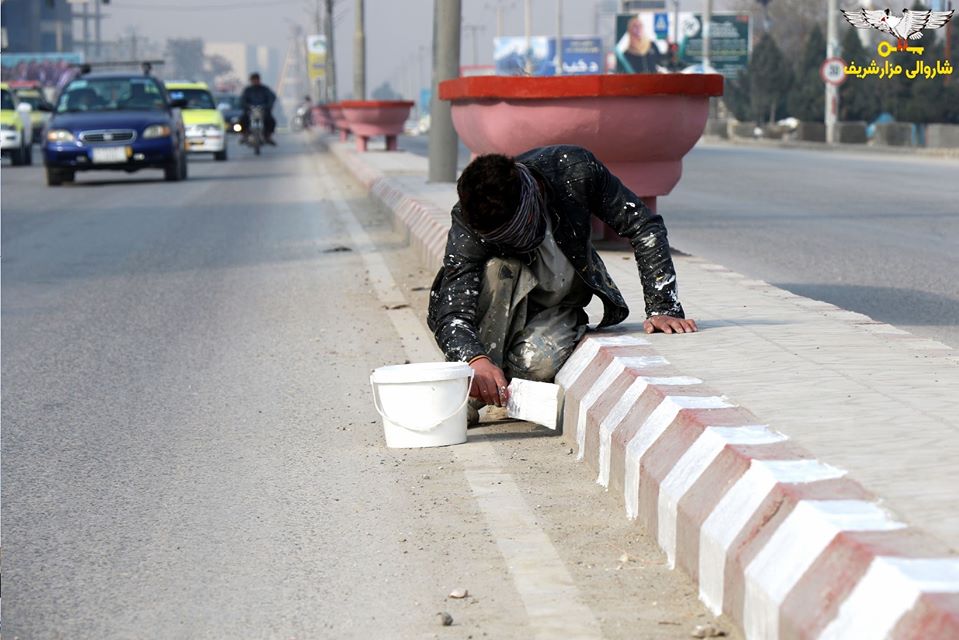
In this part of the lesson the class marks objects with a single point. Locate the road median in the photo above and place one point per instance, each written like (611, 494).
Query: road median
(825, 508)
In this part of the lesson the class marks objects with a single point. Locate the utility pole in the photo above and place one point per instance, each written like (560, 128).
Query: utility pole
(96, 25)
(330, 53)
(707, 35)
(359, 54)
(447, 20)
(500, 6)
(473, 28)
(86, 33)
(832, 50)
(528, 30)
(559, 37)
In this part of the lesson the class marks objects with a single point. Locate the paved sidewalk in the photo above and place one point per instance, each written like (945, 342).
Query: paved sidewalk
(801, 456)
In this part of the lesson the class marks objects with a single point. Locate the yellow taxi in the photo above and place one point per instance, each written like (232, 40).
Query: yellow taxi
(204, 125)
(16, 135)
(32, 94)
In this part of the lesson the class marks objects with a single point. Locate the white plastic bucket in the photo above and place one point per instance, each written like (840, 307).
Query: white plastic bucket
(422, 404)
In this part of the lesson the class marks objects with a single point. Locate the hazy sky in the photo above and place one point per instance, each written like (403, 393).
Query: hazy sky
(398, 32)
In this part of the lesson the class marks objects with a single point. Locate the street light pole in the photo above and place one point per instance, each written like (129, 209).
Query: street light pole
(447, 20)
(330, 53)
(832, 50)
(359, 54)
(559, 37)
(707, 35)
(528, 30)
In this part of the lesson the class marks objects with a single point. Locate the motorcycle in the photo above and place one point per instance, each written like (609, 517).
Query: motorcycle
(302, 119)
(256, 136)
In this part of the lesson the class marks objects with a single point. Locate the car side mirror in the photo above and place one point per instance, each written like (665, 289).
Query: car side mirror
(24, 107)
(179, 104)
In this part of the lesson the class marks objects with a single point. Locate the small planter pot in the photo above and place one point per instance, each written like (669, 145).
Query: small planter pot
(368, 118)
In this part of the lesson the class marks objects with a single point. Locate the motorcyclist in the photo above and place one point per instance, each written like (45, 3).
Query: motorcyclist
(258, 94)
(305, 112)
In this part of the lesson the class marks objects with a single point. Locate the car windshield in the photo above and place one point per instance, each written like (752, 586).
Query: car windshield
(31, 99)
(112, 94)
(228, 101)
(195, 98)
(7, 100)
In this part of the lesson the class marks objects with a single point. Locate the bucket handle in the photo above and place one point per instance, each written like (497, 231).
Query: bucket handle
(376, 404)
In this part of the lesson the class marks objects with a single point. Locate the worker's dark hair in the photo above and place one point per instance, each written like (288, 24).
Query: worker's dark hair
(254, 76)
(489, 191)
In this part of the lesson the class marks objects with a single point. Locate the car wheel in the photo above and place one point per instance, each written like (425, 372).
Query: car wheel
(184, 163)
(54, 177)
(220, 155)
(69, 175)
(18, 157)
(28, 155)
(172, 172)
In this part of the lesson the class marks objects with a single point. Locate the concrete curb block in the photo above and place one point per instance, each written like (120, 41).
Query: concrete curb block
(786, 545)
(928, 152)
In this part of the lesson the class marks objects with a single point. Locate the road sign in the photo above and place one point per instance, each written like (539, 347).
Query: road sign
(661, 25)
(833, 71)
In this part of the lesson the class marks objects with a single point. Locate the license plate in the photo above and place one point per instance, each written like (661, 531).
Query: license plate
(108, 155)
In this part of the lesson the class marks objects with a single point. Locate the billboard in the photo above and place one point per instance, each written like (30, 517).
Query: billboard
(315, 58)
(581, 55)
(51, 70)
(643, 42)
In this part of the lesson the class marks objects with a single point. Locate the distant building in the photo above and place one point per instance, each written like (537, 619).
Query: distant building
(36, 26)
(247, 58)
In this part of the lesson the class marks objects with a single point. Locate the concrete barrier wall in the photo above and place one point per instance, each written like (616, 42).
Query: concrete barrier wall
(851, 132)
(811, 132)
(717, 127)
(740, 129)
(894, 134)
(942, 136)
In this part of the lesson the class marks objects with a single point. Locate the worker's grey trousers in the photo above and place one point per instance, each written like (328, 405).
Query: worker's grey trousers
(531, 346)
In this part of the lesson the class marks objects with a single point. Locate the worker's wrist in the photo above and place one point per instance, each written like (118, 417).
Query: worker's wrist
(481, 356)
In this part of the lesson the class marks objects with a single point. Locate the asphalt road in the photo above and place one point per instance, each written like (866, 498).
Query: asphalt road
(190, 451)
(869, 232)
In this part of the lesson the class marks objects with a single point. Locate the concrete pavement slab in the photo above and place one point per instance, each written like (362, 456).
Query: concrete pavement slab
(863, 489)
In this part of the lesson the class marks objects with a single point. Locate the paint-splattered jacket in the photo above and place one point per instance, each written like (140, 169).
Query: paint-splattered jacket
(579, 186)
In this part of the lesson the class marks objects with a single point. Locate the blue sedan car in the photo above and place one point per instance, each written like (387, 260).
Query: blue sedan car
(120, 122)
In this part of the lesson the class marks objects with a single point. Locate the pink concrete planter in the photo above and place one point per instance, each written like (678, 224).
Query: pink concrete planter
(336, 113)
(639, 125)
(369, 118)
(322, 118)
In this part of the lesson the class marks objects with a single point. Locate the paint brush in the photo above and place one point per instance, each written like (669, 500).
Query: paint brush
(539, 402)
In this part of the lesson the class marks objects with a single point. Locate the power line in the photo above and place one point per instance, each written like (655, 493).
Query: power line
(201, 7)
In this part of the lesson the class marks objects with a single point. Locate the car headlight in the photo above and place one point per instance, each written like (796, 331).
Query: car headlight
(157, 131)
(60, 135)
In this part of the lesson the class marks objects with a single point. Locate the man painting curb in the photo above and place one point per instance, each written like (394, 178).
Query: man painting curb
(520, 268)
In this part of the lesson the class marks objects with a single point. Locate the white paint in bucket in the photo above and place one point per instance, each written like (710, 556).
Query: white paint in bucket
(422, 404)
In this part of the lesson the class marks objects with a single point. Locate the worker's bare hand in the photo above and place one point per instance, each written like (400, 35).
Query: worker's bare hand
(669, 324)
(489, 383)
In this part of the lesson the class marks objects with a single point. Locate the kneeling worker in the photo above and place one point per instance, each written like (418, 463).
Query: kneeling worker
(520, 268)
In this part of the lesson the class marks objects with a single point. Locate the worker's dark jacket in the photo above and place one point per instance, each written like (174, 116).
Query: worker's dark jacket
(579, 186)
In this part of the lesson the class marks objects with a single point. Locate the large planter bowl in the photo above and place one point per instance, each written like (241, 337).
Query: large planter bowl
(336, 113)
(639, 125)
(369, 118)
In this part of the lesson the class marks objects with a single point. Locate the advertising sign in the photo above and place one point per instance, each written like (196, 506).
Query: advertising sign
(316, 57)
(644, 38)
(581, 55)
(47, 69)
